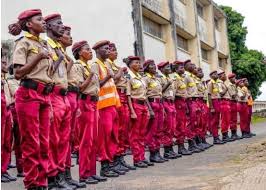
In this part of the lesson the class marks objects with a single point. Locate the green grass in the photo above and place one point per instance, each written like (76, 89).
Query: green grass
(257, 119)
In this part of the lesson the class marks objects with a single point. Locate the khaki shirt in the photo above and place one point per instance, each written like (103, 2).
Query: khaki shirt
(191, 85)
(26, 49)
(60, 75)
(241, 92)
(13, 85)
(154, 87)
(223, 90)
(201, 88)
(75, 75)
(94, 86)
(137, 87)
(213, 89)
(4, 86)
(169, 93)
(232, 90)
(180, 86)
(122, 81)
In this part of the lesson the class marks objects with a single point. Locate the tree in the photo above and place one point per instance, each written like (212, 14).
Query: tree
(246, 63)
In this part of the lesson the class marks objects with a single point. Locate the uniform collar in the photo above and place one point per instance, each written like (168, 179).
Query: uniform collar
(133, 75)
(83, 63)
(32, 37)
(213, 81)
(150, 76)
(54, 44)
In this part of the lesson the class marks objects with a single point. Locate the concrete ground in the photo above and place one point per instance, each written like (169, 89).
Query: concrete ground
(227, 167)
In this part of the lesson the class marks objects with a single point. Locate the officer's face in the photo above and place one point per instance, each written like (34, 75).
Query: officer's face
(246, 83)
(223, 77)
(214, 76)
(113, 53)
(180, 69)
(86, 52)
(66, 39)
(233, 80)
(167, 69)
(57, 27)
(4, 67)
(104, 51)
(200, 74)
(152, 68)
(135, 65)
(37, 24)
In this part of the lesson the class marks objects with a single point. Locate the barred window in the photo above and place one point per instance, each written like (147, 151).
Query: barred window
(152, 27)
(182, 42)
(204, 54)
(200, 10)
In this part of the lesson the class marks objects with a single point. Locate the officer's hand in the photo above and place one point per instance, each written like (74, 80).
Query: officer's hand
(124, 69)
(133, 115)
(78, 113)
(43, 53)
(212, 110)
(60, 54)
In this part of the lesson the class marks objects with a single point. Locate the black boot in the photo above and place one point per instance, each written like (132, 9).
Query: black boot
(52, 183)
(4, 179)
(61, 182)
(252, 134)
(117, 165)
(183, 151)
(167, 153)
(8, 176)
(77, 159)
(192, 147)
(205, 143)
(105, 170)
(123, 162)
(73, 182)
(246, 135)
(217, 141)
(148, 163)
(176, 155)
(226, 137)
(140, 165)
(234, 135)
(89, 180)
(99, 178)
(160, 156)
(199, 144)
(155, 158)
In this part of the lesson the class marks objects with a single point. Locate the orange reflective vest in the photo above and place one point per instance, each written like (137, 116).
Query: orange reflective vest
(108, 95)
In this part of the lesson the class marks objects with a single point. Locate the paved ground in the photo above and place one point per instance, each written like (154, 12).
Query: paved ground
(216, 168)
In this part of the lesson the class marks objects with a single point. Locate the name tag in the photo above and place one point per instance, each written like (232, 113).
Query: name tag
(215, 90)
(34, 50)
(136, 85)
(183, 86)
(191, 84)
(153, 84)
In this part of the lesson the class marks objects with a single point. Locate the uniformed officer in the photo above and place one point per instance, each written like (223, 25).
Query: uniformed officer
(123, 111)
(6, 121)
(232, 89)
(214, 105)
(139, 112)
(60, 125)
(193, 108)
(168, 94)
(242, 108)
(181, 131)
(154, 97)
(224, 107)
(108, 103)
(31, 63)
(13, 85)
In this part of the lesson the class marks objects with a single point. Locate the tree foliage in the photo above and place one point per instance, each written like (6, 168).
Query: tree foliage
(246, 63)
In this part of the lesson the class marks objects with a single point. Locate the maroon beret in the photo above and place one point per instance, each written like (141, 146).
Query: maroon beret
(67, 27)
(111, 44)
(162, 64)
(220, 73)
(178, 62)
(29, 13)
(132, 58)
(52, 17)
(232, 75)
(78, 45)
(100, 44)
(187, 61)
(147, 63)
(239, 81)
(213, 72)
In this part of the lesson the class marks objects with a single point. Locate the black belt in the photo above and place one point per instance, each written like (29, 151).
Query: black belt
(141, 102)
(168, 100)
(31, 84)
(180, 98)
(73, 89)
(85, 96)
(157, 100)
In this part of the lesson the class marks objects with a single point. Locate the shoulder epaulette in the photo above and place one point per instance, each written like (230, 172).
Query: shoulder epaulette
(20, 38)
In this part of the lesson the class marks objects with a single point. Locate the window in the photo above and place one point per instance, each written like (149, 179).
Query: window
(182, 42)
(216, 23)
(222, 62)
(152, 27)
(204, 54)
(200, 10)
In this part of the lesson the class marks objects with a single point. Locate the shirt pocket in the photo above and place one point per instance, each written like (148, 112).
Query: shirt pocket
(136, 84)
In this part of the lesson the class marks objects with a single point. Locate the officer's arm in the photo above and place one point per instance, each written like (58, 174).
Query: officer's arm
(102, 82)
(119, 74)
(57, 62)
(86, 82)
(166, 86)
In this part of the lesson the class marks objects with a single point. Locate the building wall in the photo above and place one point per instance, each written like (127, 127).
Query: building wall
(90, 21)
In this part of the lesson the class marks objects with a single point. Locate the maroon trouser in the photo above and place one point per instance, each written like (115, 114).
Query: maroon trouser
(181, 131)
(203, 118)
(33, 110)
(249, 118)
(233, 116)
(108, 133)
(124, 120)
(88, 123)
(59, 133)
(243, 110)
(169, 123)
(138, 128)
(73, 101)
(155, 126)
(215, 118)
(225, 115)
(17, 139)
(192, 121)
